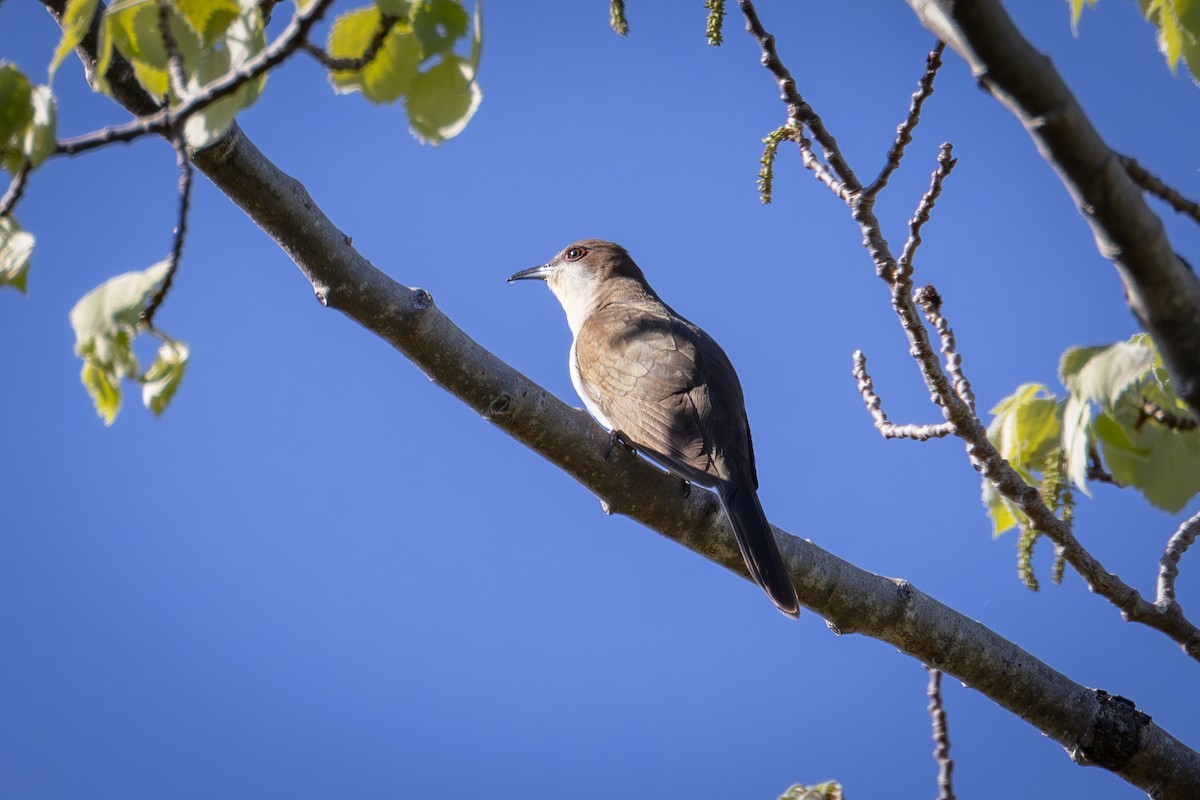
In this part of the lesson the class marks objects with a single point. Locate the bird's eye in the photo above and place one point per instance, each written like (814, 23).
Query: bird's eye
(576, 253)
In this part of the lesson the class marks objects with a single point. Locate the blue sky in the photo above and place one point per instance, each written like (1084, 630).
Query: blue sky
(320, 575)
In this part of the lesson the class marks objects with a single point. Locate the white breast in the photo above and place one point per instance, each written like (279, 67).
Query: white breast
(588, 403)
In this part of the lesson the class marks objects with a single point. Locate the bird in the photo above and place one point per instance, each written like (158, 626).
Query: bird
(662, 385)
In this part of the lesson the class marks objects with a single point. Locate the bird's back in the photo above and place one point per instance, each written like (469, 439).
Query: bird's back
(667, 387)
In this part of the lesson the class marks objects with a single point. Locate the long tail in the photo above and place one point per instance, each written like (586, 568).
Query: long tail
(757, 543)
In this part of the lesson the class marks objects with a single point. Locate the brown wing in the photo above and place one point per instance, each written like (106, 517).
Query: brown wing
(668, 388)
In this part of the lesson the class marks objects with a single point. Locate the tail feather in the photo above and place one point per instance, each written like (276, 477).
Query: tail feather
(757, 544)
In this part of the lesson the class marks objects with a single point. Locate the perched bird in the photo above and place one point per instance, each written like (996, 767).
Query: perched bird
(665, 387)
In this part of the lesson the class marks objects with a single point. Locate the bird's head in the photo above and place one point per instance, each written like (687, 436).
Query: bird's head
(581, 274)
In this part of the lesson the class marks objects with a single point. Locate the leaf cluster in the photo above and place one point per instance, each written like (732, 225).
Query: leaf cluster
(417, 62)
(1121, 421)
(107, 320)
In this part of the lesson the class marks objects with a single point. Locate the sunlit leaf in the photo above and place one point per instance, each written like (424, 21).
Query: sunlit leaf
(104, 389)
(16, 246)
(107, 318)
(442, 101)
(243, 40)
(1102, 374)
(37, 143)
(1077, 12)
(1076, 438)
(208, 18)
(389, 76)
(75, 23)
(163, 378)
(438, 25)
(16, 113)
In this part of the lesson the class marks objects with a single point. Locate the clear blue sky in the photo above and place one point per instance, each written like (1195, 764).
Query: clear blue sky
(319, 575)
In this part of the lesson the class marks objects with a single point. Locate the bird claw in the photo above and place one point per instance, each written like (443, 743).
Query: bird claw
(613, 438)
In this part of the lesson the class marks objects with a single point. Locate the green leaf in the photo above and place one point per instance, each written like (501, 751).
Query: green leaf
(402, 9)
(1077, 12)
(1076, 438)
(163, 378)
(208, 18)
(1170, 477)
(438, 25)
(104, 389)
(15, 248)
(1004, 514)
(389, 76)
(442, 101)
(75, 23)
(1026, 426)
(108, 317)
(16, 112)
(244, 39)
(1102, 374)
(37, 143)
(133, 27)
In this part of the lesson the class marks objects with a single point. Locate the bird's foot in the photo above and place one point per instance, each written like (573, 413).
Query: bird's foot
(613, 438)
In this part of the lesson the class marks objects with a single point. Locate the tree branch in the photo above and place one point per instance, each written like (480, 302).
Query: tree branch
(1168, 566)
(1155, 186)
(967, 426)
(852, 599)
(941, 736)
(1162, 291)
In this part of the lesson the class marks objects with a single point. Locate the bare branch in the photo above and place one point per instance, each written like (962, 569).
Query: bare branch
(798, 110)
(1161, 289)
(904, 132)
(967, 425)
(1164, 417)
(941, 736)
(15, 189)
(945, 166)
(1155, 186)
(374, 47)
(185, 193)
(1168, 566)
(866, 387)
(931, 303)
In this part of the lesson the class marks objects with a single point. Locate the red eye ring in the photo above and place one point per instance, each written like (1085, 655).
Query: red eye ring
(575, 253)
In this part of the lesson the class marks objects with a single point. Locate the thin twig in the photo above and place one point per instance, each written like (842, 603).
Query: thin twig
(890, 430)
(798, 109)
(185, 193)
(1155, 186)
(291, 40)
(1168, 565)
(930, 302)
(15, 190)
(374, 47)
(924, 208)
(968, 427)
(904, 131)
(819, 170)
(1164, 417)
(941, 736)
